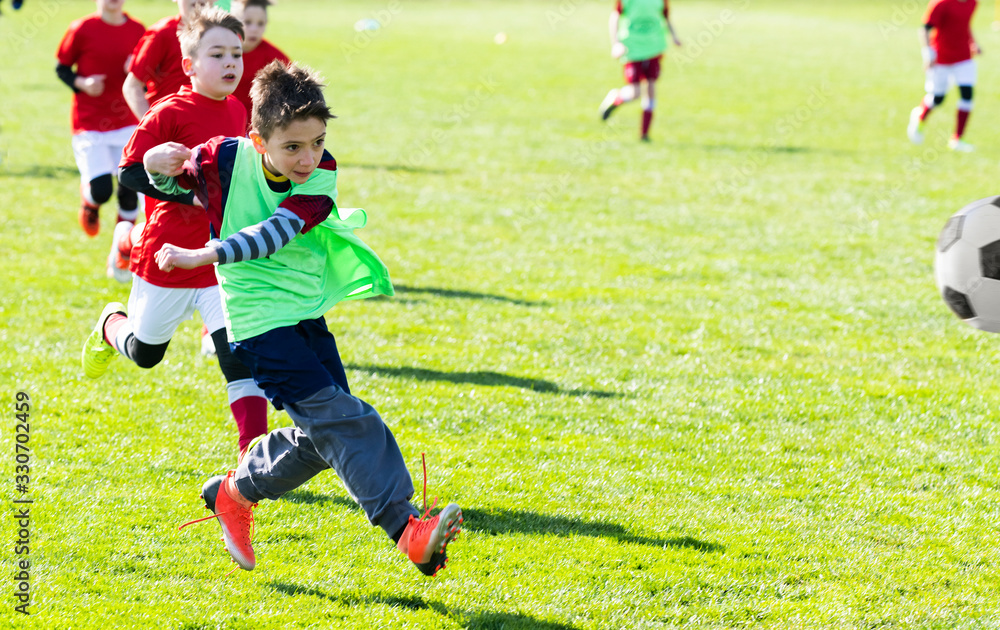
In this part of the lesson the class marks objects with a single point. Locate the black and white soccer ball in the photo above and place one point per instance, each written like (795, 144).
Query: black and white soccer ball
(967, 264)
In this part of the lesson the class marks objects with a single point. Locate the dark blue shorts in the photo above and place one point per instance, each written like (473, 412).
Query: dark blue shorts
(293, 362)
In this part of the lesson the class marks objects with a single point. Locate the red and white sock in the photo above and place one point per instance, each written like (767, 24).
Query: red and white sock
(112, 326)
(647, 120)
(962, 121)
(249, 407)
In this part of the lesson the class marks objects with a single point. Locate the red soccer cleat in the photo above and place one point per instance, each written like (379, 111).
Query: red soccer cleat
(425, 540)
(89, 219)
(236, 521)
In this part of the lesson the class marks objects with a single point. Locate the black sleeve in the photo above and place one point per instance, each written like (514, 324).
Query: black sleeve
(67, 75)
(134, 176)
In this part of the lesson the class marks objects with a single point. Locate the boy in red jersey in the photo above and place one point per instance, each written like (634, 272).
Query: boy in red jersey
(257, 51)
(947, 48)
(155, 69)
(289, 255)
(158, 301)
(638, 37)
(91, 61)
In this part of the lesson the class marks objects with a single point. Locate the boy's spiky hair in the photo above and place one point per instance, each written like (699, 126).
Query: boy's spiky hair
(202, 22)
(282, 94)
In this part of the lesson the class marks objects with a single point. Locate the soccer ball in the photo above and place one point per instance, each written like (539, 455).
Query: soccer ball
(967, 264)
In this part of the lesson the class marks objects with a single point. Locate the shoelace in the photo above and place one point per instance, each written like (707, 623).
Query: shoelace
(244, 518)
(427, 510)
(101, 356)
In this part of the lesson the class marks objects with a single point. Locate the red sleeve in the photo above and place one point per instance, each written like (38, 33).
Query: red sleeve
(146, 57)
(618, 6)
(666, 9)
(68, 53)
(208, 174)
(313, 209)
(933, 15)
(147, 135)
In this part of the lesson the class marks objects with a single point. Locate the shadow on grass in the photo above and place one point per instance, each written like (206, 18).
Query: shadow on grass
(474, 620)
(498, 522)
(766, 148)
(307, 497)
(465, 295)
(48, 171)
(491, 379)
(398, 167)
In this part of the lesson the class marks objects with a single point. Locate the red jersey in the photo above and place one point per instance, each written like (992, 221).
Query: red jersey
(156, 60)
(253, 62)
(95, 47)
(951, 37)
(190, 119)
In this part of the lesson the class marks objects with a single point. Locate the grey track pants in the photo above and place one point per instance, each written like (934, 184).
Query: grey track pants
(333, 429)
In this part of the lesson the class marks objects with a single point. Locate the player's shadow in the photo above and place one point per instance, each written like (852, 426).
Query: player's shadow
(43, 171)
(769, 148)
(405, 168)
(497, 522)
(308, 497)
(473, 620)
(482, 377)
(464, 295)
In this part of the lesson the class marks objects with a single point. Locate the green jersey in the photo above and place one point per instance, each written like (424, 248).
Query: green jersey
(642, 29)
(306, 277)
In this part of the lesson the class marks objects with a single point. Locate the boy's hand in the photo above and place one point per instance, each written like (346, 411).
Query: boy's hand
(618, 49)
(167, 159)
(92, 85)
(170, 257)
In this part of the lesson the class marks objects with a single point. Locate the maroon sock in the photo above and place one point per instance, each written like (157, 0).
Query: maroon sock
(963, 119)
(647, 119)
(250, 413)
(924, 110)
(111, 327)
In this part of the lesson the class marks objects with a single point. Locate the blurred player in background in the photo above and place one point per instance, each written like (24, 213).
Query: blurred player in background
(947, 47)
(155, 70)
(91, 60)
(159, 302)
(638, 38)
(257, 51)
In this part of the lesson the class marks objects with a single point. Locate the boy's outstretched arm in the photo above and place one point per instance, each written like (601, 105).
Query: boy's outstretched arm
(256, 241)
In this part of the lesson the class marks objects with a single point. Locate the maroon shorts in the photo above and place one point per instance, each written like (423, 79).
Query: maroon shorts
(647, 69)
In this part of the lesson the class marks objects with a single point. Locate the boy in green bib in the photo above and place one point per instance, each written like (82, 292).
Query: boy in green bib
(287, 255)
(638, 38)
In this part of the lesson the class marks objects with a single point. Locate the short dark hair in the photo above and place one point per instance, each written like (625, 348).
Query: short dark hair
(253, 3)
(204, 21)
(283, 93)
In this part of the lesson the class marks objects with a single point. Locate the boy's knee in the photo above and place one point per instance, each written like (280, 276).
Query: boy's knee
(101, 189)
(232, 368)
(128, 199)
(146, 355)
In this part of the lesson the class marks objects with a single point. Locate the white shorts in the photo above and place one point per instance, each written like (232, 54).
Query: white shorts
(156, 312)
(941, 77)
(99, 152)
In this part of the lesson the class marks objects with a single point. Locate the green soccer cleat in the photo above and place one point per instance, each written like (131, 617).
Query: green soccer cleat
(97, 354)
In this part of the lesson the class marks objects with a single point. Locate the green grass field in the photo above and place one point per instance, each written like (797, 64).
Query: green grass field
(704, 383)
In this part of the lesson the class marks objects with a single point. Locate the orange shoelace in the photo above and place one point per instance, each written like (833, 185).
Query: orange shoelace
(427, 510)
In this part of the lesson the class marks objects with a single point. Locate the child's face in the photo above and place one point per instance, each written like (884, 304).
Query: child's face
(254, 23)
(217, 65)
(109, 5)
(293, 151)
(186, 8)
